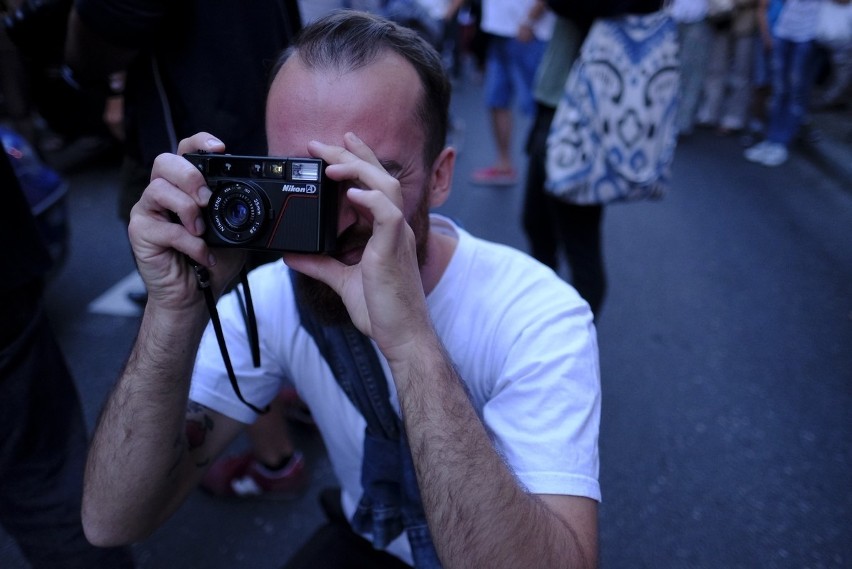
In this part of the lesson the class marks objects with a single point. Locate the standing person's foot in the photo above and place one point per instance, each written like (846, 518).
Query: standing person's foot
(495, 176)
(775, 156)
(767, 153)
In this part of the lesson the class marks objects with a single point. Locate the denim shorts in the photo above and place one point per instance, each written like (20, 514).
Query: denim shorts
(510, 71)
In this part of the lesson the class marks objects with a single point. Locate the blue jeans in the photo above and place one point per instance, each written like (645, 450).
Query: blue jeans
(792, 77)
(510, 70)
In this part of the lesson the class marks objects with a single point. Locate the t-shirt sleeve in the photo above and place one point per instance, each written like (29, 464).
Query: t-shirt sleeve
(545, 408)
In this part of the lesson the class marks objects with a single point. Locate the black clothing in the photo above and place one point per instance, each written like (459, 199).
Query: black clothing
(201, 66)
(23, 254)
(42, 433)
(582, 14)
(553, 226)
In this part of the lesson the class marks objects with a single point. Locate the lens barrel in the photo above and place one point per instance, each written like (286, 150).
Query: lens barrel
(237, 211)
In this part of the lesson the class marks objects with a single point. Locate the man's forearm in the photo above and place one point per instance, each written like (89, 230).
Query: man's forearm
(478, 513)
(134, 474)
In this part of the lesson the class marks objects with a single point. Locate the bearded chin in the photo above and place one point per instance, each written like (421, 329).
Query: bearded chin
(321, 300)
(325, 303)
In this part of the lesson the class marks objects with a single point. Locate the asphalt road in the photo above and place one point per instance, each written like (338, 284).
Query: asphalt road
(726, 357)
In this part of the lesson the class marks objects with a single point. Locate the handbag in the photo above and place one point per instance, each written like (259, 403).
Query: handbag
(834, 23)
(613, 135)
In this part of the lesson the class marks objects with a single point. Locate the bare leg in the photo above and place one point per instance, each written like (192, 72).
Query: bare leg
(501, 123)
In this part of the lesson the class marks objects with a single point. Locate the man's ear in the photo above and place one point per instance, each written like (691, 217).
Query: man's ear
(442, 177)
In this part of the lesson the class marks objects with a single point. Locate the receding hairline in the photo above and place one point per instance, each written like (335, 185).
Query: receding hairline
(340, 66)
(346, 41)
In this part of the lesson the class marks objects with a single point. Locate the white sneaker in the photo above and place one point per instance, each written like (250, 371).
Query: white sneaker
(775, 155)
(756, 152)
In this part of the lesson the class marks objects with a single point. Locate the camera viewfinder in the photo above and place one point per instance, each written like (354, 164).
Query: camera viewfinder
(305, 171)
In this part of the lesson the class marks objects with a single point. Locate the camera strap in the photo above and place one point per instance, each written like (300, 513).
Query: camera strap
(202, 275)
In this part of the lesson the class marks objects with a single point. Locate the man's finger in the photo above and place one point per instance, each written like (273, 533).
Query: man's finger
(201, 141)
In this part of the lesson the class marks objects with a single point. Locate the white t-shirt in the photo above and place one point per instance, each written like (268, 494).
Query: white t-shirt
(436, 8)
(797, 21)
(688, 11)
(504, 18)
(521, 338)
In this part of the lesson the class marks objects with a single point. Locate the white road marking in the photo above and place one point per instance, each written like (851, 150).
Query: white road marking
(115, 302)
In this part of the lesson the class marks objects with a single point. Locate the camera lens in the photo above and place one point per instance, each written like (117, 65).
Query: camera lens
(237, 212)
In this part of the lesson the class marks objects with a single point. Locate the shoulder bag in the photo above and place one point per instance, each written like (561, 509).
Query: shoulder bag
(613, 135)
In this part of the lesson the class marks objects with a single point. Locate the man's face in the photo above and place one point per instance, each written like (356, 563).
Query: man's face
(378, 103)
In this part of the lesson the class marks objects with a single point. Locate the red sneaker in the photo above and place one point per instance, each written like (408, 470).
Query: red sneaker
(495, 176)
(242, 476)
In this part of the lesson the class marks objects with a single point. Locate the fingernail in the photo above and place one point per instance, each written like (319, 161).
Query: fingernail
(353, 136)
(213, 142)
(199, 225)
(204, 194)
(211, 260)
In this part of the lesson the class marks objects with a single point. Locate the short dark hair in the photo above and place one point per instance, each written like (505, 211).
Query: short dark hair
(346, 40)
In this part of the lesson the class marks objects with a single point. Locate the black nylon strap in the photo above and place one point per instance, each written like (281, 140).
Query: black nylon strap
(202, 275)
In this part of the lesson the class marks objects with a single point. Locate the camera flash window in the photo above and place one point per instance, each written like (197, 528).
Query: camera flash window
(305, 171)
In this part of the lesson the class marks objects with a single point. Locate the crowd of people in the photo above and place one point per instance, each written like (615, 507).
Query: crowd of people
(757, 68)
(371, 344)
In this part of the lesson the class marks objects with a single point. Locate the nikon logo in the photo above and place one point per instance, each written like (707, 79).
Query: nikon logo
(294, 189)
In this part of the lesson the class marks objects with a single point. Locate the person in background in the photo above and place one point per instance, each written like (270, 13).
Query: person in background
(555, 228)
(158, 62)
(42, 432)
(834, 92)
(518, 32)
(695, 36)
(767, 15)
(728, 79)
(793, 75)
(171, 71)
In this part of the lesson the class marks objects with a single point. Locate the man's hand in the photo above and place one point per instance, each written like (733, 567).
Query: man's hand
(141, 466)
(160, 244)
(383, 292)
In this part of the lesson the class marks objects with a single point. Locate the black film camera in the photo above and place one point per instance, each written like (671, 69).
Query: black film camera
(268, 203)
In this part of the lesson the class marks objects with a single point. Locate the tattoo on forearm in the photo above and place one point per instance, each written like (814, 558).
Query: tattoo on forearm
(198, 424)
